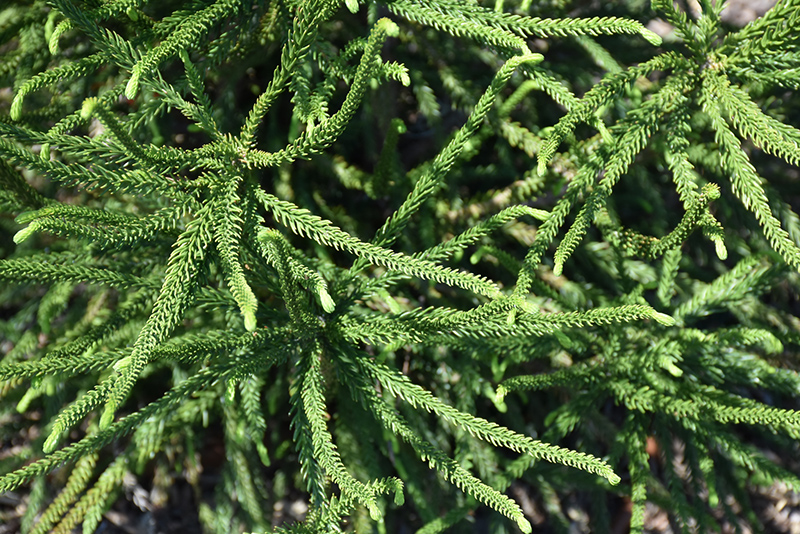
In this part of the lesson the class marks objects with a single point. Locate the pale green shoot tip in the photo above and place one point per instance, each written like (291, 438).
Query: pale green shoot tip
(108, 416)
(528, 307)
(263, 454)
(539, 215)
(399, 125)
(327, 302)
(651, 37)
(352, 5)
(122, 364)
(405, 79)
(663, 318)
(58, 31)
(511, 317)
(27, 216)
(532, 58)
(399, 498)
(374, 513)
(563, 339)
(500, 396)
(266, 233)
(29, 396)
(541, 167)
(16, 106)
(558, 268)
(52, 43)
(721, 250)
(711, 190)
(133, 86)
(613, 478)
(387, 25)
(250, 322)
(88, 108)
(25, 233)
(673, 369)
(52, 440)
(524, 525)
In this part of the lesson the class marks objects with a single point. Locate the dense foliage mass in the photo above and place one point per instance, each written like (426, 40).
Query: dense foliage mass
(399, 260)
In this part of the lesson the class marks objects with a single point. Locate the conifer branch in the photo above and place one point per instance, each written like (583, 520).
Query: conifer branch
(16, 194)
(450, 469)
(89, 508)
(305, 445)
(399, 385)
(473, 234)
(75, 413)
(707, 405)
(458, 23)
(82, 67)
(746, 183)
(179, 281)
(635, 244)
(573, 377)
(639, 467)
(432, 180)
(78, 480)
(103, 227)
(599, 96)
(642, 126)
(189, 31)
(138, 181)
(228, 232)
(44, 270)
(201, 112)
(303, 223)
(769, 134)
(127, 424)
(669, 269)
(324, 451)
(308, 17)
(286, 260)
(148, 208)
(314, 140)
(453, 13)
(548, 231)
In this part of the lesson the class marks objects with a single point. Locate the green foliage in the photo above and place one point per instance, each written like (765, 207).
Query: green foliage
(524, 243)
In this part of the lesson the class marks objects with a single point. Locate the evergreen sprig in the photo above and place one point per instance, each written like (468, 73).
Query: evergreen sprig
(399, 260)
